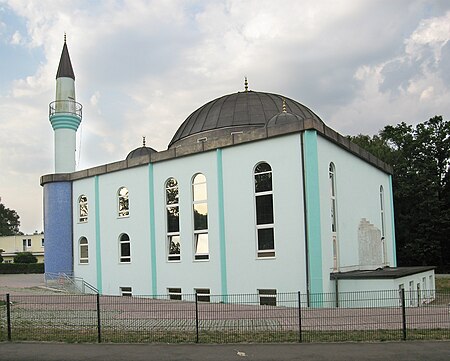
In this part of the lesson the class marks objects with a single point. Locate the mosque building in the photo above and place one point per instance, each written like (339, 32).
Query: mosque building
(254, 194)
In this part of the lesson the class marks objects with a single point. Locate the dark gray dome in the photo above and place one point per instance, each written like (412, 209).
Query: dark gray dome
(239, 112)
(139, 152)
(283, 118)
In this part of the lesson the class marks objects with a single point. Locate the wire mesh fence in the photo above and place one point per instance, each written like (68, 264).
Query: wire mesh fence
(287, 317)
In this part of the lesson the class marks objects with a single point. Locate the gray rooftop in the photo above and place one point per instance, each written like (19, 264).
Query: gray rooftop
(238, 112)
(380, 273)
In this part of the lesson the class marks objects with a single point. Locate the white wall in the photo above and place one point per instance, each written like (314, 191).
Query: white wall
(287, 271)
(87, 271)
(357, 192)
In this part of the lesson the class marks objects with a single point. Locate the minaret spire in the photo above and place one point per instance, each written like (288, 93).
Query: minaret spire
(65, 69)
(65, 115)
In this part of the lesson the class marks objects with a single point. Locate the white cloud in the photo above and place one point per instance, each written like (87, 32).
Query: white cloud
(16, 38)
(143, 66)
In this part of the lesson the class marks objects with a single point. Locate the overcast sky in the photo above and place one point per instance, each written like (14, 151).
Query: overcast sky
(142, 67)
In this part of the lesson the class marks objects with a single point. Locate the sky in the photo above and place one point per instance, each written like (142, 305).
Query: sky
(142, 67)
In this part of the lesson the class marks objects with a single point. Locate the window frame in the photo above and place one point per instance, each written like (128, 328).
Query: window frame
(83, 218)
(123, 200)
(203, 294)
(123, 259)
(83, 260)
(198, 233)
(264, 253)
(126, 291)
(334, 215)
(172, 257)
(174, 293)
(266, 295)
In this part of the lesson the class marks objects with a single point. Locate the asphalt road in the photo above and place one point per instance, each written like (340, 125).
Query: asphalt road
(386, 351)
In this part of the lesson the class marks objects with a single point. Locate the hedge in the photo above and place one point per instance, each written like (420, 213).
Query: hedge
(9, 268)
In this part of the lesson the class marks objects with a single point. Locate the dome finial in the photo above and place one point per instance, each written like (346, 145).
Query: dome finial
(283, 107)
(246, 84)
(143, 141)
(65, 37)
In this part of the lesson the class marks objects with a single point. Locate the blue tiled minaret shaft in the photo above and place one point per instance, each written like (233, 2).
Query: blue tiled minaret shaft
(65, 117)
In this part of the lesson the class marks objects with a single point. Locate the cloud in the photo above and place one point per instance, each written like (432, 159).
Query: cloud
(143, 66)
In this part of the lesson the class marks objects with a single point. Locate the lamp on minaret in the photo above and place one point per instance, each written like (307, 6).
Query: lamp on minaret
(65, 115)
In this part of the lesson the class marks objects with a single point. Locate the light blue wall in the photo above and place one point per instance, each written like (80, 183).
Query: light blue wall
(91, 271)
(358, 196)
(247, 273)
(58, 227)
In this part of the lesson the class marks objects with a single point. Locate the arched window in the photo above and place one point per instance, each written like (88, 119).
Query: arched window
(383, 226)
(173, 220)
(264, 210)
(82, 209)
(123, 202)
(382, 211)
(124, 248)
(200, 213)
(83, 250)
(333, 208)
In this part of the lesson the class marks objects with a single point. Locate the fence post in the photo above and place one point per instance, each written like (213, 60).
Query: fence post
(299, 318)
(196, 316)
(99, 325)
(402, 295)
(8, 315)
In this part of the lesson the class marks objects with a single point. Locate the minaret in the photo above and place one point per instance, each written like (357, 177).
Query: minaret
(65, 115)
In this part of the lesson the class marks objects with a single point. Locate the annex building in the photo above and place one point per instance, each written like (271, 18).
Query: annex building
(254, 194)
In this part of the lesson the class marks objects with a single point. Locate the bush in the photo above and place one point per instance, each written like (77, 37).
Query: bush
(15, 268)
(25, 257)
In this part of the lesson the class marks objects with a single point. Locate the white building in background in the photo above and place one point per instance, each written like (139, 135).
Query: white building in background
(12, 245)
(255, 194)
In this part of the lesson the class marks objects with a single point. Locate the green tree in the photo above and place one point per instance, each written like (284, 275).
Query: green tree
(25, 257)
(420, 158)
(9, 221)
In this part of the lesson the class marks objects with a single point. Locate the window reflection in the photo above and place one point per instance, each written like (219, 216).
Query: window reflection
(83, 208)
(173, 220)
(264, 210)
(124, 204)
(200, 216)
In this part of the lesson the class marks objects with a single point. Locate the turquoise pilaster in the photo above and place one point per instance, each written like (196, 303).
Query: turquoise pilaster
(151, 201)
(98, 248)
(312, 209)
(223, 248)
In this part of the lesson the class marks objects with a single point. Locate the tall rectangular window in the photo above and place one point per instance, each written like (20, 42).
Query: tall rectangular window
(123, 202)
(82, 209)
(200, 217)
(264, 211)
(173, 220)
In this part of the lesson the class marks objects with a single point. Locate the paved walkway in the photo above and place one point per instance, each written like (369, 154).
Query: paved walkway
(387, 351)
(22, 284)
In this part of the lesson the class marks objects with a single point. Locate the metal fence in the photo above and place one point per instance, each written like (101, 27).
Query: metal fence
(360, 316)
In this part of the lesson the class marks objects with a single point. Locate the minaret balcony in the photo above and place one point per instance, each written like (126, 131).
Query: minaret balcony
(65, 107)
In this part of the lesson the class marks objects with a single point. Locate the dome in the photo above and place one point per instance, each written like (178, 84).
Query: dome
(237, 113)
(283, 118)
(141, 151)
